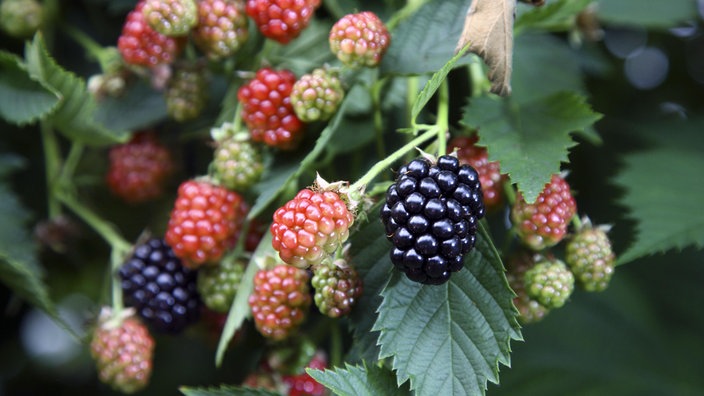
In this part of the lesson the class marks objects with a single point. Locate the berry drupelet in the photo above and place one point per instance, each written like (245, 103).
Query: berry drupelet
(430, 215)
(160, 288)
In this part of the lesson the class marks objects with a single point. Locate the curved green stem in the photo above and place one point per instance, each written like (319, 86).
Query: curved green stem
(336, 345)
(393, 157)
(104, 55)
(405, 12)
(378, 119)
(443, 124)
(69, 168)
(52, 165)
(120, 247)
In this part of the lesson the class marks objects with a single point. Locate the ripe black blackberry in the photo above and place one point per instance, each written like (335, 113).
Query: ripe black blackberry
(431, 215)
(161, 289)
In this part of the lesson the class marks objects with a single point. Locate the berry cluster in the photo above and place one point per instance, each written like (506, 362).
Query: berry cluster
(280, 300)
(267, 110)
(161, 289)
(186, 92)
(337, 287)
(222, 28)
(204, 222)
(311, 226)
(123, 351)
(139, 169)
(490, 176)
(430, 215)
(141, 45)
(281, 20)
(360, 39)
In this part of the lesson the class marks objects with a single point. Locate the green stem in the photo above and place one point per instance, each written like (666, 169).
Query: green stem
(378, 119)
(52, 165)
(120, 247)
(411, 95)
(510, 193)
(443, 125)
(336, 345)
(334, 8)
(388, 161)
(577, 222)
(72, 160)
(407, 10)
(480, 83)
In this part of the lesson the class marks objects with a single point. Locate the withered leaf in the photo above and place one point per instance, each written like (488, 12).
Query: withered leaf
(488, 28)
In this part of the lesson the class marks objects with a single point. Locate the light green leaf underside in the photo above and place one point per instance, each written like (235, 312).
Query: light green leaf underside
(530, 140)
(450, 339)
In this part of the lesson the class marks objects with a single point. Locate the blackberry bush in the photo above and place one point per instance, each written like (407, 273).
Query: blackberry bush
(468, 142)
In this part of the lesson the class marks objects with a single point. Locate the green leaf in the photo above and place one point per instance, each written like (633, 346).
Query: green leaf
(359, 381)
(144, 105)
(19, 265)
(555, 16)
(530, 140)
(664, 199)
(75, 116)
(307, 52)
(226, 390)
(543, 65)
(423, 42)
(433, 84)
(450, 339)
(239, 310)
(22, 100)
(370, 253)
(647, 13)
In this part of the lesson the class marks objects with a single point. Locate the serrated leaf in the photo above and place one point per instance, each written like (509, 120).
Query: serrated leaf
(530, 140)
(239, 310)
(20, 270)
(450, 339)
(359, 381)
(75, 115)
(488, 29)
(423, 42)
(22, 100)
(555, 16)
(226, 390)
(646, 13)
(544, 65)
(370, 257)
(434, 83)
(664, 199)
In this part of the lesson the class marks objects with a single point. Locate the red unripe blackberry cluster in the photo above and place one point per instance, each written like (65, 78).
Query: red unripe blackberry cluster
(267, 110)
(204, 222)
(490, 176)
(141, 45)
(543, 223)
(360, 39)
(310, 226)
(281, 20)
(139, 169)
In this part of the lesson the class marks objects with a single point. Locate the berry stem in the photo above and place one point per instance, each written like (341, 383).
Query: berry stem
(480, 83)
(510, 193)
(69, 168)
(393, 157)
(52, 164)
(335, 345)
(443, 116)
(378, 120)
(405, 12)
(577, 222)
(104, 56)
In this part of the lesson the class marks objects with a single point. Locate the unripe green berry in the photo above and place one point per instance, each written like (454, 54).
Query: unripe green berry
(218, 284)
(317, 96)
(21, 18)
(590, 258)
(550, 283)
(186, 93)
(337, 287)
(237, 163)
(171, 17)
(529, 310)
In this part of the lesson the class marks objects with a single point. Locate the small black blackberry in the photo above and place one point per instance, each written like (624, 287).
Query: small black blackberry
(430, 215)
(159, 287)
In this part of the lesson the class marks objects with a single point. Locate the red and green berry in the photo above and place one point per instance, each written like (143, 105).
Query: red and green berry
(281, 20)
(490, 175)
(317, 96)
(222, 27)
(360, 40)
(310, 227)
(141, 45)
(544, 223)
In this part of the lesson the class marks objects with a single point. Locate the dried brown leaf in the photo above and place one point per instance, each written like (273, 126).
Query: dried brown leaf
(488, 28)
